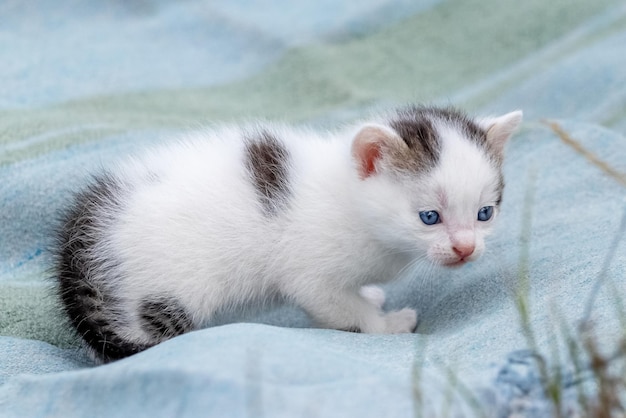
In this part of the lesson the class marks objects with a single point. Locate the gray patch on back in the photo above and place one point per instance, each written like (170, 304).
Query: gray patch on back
(267, 161)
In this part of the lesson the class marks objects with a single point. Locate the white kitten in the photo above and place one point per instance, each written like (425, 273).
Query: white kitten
(157, 246)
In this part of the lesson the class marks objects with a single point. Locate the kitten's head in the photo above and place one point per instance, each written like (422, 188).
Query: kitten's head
(432, 180)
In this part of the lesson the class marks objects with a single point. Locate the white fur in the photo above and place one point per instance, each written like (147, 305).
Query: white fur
(192, 228)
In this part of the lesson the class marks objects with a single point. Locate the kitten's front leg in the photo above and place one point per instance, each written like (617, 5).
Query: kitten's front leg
(374, 294)
(402, 321)
(397, 321)
(349, 311)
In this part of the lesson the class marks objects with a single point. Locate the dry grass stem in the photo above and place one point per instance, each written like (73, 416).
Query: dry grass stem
(590, 156)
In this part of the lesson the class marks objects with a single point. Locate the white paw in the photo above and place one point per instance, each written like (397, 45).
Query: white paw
(401, 321)
(374, 294)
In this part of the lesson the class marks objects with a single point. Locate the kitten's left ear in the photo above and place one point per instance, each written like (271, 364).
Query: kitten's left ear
(500, 129)
(368, 146)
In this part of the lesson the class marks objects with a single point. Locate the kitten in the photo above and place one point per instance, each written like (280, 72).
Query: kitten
(155, 247)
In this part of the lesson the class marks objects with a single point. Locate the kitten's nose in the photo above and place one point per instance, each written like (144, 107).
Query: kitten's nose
(464, 250)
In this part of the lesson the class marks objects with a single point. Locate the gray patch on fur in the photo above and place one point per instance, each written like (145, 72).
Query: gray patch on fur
(500, 189)
(267, 161)
(472, 131)
(163, 317)
(416, 129)
(416, 126)
(468, 127)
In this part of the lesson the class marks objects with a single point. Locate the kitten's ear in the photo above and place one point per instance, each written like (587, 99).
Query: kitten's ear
(500, 129)
(368, 146)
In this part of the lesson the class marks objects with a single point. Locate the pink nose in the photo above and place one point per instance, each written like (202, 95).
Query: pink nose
(463, 250)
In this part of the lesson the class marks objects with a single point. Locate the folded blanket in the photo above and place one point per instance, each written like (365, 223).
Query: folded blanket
(84, 84)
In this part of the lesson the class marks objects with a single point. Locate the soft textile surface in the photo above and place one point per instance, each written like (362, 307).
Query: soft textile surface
(85, 82)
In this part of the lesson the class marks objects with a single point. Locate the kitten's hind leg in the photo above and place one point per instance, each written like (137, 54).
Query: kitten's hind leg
(374, 294)
(163, 317)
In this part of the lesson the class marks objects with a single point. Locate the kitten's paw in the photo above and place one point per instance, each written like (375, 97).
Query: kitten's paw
(374, 294)
(402, 321)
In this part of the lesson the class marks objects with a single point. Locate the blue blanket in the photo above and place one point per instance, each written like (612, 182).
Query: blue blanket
(84, 83)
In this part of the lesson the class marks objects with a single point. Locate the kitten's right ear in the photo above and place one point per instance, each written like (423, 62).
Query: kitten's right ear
(368, 146)
(500, 129)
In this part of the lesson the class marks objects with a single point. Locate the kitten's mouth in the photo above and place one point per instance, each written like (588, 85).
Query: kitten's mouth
(457, 263)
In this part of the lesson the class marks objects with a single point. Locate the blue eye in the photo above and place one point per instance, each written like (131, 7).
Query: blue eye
(429, 217)
(485, 213)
